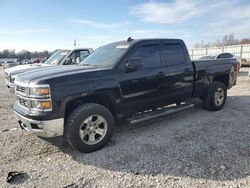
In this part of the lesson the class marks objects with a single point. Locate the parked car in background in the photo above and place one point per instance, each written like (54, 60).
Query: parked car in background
(8, 64)
(26, 61)
(207, 57)
(37, 60)
(229, 55)
(60, 57)
(245, 62)
(223, 56)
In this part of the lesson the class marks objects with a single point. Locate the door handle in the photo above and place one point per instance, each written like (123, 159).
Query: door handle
(160, 74)
(187, 70)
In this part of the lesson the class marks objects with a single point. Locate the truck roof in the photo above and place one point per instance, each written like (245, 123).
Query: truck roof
(150, 39)
(134, 41)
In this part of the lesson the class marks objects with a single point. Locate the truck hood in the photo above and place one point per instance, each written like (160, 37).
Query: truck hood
(41, 75)
(23, 68)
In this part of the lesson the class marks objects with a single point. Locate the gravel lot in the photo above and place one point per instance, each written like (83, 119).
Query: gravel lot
(195, 148)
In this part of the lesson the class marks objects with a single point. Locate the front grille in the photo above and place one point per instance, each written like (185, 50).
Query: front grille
(21, 90)
(21, 96)
(22, 101)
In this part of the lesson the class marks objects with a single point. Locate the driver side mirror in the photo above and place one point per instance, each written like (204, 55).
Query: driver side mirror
(133, 64)
(68, 61)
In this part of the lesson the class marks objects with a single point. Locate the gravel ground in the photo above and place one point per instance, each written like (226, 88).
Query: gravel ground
(195, 148)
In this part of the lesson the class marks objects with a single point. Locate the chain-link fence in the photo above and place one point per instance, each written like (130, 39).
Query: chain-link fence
(242, 51)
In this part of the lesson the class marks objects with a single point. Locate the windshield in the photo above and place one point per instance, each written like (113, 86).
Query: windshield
(56, 57)
(106, 55)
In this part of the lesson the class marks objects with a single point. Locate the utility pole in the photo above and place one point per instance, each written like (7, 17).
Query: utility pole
(75, 43)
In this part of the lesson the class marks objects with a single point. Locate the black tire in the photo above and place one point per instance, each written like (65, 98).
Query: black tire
(75, 120)
(209, 99)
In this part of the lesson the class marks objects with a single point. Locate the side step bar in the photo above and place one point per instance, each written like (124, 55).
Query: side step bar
(158, 113)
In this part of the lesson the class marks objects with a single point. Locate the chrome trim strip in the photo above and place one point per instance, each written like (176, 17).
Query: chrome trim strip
(39, 97)
(20, 93)
(140, 93)
(21, 83)
(30, 85)
(35, 99)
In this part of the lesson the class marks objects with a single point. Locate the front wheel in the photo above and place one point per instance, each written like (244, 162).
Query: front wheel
(216, 96)
(89, 127)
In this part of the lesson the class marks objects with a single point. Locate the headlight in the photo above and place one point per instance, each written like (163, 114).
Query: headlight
(41, 91)
(41, 105)
(37, 97)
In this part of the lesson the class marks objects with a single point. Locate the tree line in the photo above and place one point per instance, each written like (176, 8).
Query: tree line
(24, 54)
(227, 40)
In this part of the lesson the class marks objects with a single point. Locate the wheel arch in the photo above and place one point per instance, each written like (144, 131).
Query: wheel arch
(224, 78)
(101, 99)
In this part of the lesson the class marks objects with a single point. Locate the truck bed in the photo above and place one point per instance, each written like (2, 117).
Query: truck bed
(206, 70)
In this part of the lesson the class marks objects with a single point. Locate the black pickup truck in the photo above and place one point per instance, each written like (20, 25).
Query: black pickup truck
(119, 80)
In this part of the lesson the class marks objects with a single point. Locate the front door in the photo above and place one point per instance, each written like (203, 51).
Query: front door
(140, 88)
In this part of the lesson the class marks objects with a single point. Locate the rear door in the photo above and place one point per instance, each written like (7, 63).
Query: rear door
(178, 73)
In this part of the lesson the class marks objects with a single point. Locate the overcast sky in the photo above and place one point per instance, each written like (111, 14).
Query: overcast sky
(54, 24)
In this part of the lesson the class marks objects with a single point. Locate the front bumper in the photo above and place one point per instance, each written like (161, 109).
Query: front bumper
(48, 128)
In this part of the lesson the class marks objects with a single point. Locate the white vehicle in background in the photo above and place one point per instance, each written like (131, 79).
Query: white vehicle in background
(8, 64)
(60, 57)
(223, 56)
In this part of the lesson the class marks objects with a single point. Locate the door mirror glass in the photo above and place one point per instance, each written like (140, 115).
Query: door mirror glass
(133, 64)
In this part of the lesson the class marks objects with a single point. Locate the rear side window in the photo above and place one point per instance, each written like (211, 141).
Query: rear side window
(149, 54)
(173, 54)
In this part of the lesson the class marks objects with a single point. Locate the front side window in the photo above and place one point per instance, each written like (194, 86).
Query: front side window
(56, 57)
(149, 54)
(77, 56)
(174, 54)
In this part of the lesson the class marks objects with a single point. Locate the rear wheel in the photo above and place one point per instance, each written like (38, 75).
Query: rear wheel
(89, 127)
(216, 96)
